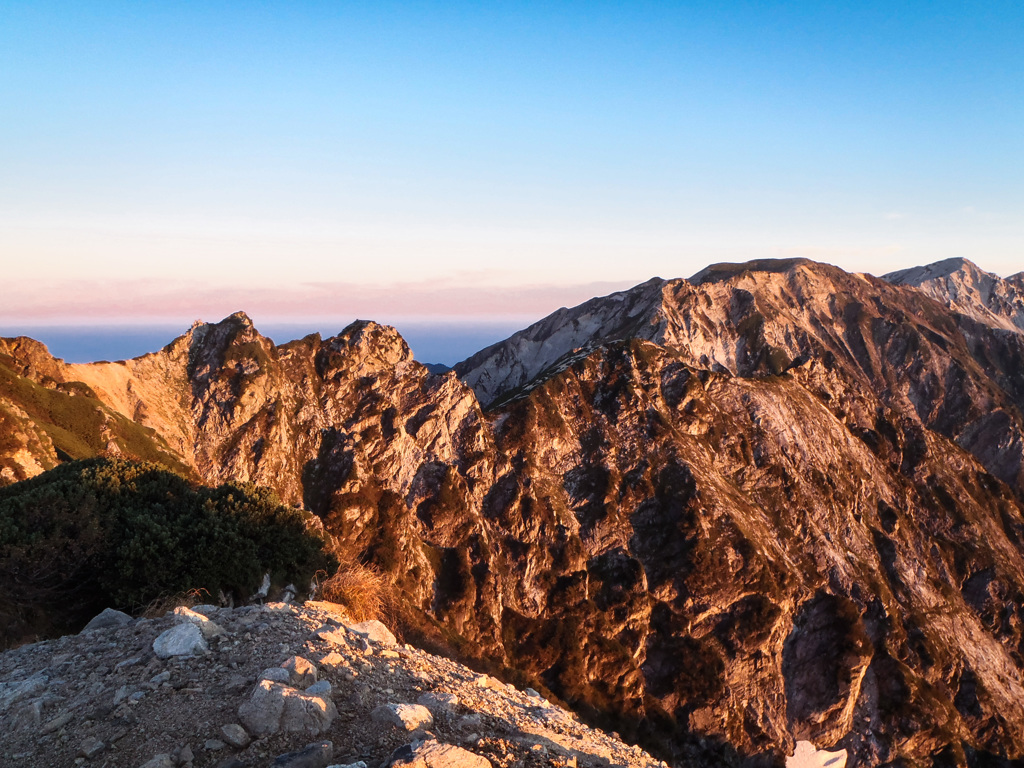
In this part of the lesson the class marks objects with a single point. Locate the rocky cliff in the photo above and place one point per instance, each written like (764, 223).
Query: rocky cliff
(776, 501)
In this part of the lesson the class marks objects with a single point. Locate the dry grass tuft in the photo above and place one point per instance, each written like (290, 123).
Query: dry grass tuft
(167, 603)
(360, 589)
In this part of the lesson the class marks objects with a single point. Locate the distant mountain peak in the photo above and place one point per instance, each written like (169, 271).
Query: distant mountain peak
(934, 271)
(726, 269)
(967, 289)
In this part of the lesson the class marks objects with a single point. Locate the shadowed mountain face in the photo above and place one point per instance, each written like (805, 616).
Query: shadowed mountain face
(774, 502)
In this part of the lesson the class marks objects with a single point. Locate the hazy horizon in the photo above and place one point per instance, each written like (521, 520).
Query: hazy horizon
(438, 342)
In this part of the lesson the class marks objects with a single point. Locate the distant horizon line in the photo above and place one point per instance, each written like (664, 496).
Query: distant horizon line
(438, 303)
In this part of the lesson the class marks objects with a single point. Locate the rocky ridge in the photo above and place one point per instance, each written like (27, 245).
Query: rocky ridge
(774, 502)
(275, 684)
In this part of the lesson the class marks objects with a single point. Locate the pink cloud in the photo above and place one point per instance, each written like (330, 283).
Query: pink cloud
(152, 300)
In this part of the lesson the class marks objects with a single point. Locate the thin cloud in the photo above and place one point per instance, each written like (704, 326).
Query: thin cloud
(150, 300)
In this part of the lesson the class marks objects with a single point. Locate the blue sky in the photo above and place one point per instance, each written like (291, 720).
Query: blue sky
(301, 161)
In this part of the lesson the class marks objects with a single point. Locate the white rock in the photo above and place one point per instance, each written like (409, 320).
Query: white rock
(408, 717)
(182, 640)
(374, 631)
(264, 589)
(207, 627)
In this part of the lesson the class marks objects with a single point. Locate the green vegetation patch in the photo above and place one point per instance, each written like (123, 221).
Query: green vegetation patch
(75, 421)
(109, 533)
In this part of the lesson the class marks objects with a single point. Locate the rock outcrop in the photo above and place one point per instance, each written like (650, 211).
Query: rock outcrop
(775, 502)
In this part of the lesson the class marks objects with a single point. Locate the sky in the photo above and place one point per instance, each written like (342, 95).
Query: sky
(481, 164)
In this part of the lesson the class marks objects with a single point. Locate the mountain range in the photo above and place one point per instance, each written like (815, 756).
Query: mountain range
(774, 502)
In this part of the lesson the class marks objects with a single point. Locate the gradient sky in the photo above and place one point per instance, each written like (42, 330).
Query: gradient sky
(301, 160)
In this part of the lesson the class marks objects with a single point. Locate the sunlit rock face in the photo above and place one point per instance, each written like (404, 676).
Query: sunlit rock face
(775, 502)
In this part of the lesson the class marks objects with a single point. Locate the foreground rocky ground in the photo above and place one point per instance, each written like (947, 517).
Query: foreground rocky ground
(277, 684)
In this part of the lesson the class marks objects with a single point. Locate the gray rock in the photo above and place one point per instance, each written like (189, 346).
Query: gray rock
(433, 754)
(206, 610)
(107, 619)
(232, 762)
(183, 640)
(310, 713)
(261, 714)
(357, 764)
(302, 672)
(439, 702)
(185, 755)
(235, 735)
(212, 745)
(90, 747)
(321, 688)
(162, 760)
(56, 723)
(264, 589)
(13, 692)
(275, 707)
(311, 756)
(276, 675)
(162, 678)
(408, 717)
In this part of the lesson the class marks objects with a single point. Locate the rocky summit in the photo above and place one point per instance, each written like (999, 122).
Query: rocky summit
(279, 685)
(775, 502)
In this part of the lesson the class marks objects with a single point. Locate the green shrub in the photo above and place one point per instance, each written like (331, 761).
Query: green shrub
(101, 532)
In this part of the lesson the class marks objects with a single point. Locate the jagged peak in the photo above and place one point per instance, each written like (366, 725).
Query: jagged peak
(372, 339)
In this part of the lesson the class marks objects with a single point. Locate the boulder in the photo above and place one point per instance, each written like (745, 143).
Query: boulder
(433, 754)
(108, 618)
(261, 714)
(274, 707)
(374, 631)
(408, 717)
(182, 640)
